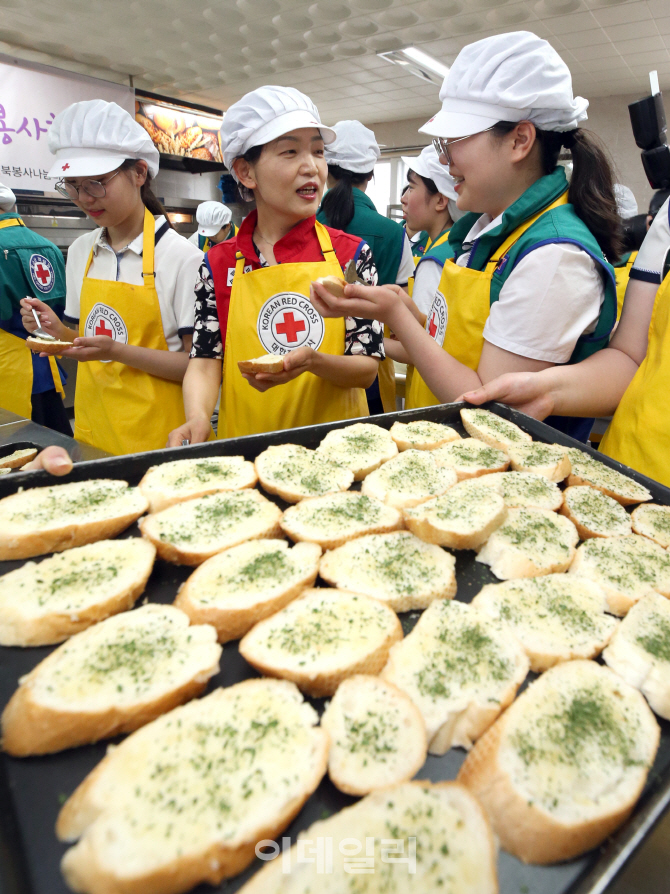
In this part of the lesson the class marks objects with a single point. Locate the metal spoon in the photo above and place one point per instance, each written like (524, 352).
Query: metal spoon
(39, 332)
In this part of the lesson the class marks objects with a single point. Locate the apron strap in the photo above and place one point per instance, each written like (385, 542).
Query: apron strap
(239, 263)
(325, 241)
(15, 222)
(148, 244)
(518, 233)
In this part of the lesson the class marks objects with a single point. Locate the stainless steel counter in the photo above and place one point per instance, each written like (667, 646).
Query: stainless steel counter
(17, 430)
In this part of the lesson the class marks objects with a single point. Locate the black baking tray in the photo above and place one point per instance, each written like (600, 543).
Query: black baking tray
(32, 789)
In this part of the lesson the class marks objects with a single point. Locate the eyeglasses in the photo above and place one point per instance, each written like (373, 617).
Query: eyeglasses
(442, 145)
(94, 188)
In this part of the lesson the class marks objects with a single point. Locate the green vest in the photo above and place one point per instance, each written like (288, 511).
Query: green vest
(559, 225)
(419, 247)
(385, 237)
(30, 266)
(439, 253)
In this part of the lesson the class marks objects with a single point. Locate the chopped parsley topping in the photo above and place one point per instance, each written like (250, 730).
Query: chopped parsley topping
(657, 641)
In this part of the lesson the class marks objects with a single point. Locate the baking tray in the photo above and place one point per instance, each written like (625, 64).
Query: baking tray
(33, 789)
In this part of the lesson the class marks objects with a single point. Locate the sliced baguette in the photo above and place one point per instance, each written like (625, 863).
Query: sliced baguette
(460, 668)
(531, 542)
(652, 521)
(556, 618)
(455, 849)
(235, 589)
(639, 651)
(5, 471)
(471, 458)
(523, 490)
(463, 518)
(587, 470)
(594, 514)
(110, 679)
(409, 479)
(190, 532)
(50, 519)
(422, 435)
(186, 798)
(185, 479)
(492, 429)
(294, 472)
(627, 568)
(398, 569)
(361, 447)
(377, 735)
(42, 346)
(332, 520)
(18, 458)
(45, 603)
(564, 765)
(322, 638)
(549, 460)
(268, 363)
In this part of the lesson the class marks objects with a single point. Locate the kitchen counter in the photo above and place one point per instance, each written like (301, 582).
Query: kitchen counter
(25, 433)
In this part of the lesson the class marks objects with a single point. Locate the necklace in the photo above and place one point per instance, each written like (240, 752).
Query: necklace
(263, 239)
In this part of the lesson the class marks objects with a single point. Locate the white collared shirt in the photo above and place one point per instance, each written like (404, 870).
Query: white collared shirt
(177, 262)
(651, 256)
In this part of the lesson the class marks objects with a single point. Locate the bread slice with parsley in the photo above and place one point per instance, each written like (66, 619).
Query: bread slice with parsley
(409, 479)
(530, 542)
(422, 435)
(332, 520)
(652, 521)
(588, 470)
(397, 568)
(110, 679)
(185, 799)
(184, 479)
(565, 764)
(50, 519)
(549, 460)
(556, 618)
(523, 490)
(455, 848)
(627, 568)
(460, 668)
(294, 472)
(322, 638)
(268, 363)
(492, 429)
(361, 447)
(45, 603)
(470, 458)
(594, 514)
(190, 532)
(377, 735)
(235, 589)
(463, 518)
(639, 651)
(18, 458)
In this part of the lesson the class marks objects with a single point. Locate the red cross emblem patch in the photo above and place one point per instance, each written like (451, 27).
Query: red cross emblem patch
(104, 320)
(436, 321)
(288, 321)
(42, 273)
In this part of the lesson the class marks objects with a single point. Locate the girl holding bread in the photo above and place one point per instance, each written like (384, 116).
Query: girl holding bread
(129, 283)
(252, 292)
(530, 285)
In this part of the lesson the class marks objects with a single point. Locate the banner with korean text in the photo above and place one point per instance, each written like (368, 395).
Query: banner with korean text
(30, 98)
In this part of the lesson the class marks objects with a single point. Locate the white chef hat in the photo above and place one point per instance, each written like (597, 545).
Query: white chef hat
(211, 216)
(263, 115)
(626, 204)
(428, 165)
(507, 77)
(355, 148)
(7, 198)
(94, 137)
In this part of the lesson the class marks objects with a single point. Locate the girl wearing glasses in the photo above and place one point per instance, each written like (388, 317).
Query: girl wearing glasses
(530, 285)
(129, 283)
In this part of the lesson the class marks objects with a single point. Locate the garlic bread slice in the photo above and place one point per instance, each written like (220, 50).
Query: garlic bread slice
(361, 447)
(409, 479)
(530, 542)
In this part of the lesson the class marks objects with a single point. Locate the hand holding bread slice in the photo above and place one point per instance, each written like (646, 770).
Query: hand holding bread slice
(268, 363)
(46, 346)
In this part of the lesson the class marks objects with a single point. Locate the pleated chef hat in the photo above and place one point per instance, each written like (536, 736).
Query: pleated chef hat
(263, 115)
(355, 148)
(507, 77)
(94, 137)
(7, 198)
(428, 165)
(211, 216)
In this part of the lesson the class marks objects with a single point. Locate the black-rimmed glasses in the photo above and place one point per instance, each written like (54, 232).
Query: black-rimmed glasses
(441, 144)
(94, 188)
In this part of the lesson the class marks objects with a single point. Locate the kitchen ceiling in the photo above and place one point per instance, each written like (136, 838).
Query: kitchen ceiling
(213, 54)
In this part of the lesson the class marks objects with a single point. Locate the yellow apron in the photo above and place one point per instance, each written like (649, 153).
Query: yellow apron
(271, 313)
(116, 407)
(460, 309)
(639, 433)
(622, 275)
(386, 376)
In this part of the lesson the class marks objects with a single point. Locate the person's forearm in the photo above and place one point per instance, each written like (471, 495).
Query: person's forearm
(395, 350)
(201, 387)
(593, 387)
(346, 371)
(170, 365)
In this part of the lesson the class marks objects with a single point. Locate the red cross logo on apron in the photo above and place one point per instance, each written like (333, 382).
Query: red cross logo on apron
(103, 329)
(290, 327)
(432, 325)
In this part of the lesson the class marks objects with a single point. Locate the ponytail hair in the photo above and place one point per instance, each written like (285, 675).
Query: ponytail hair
(151, 202)
(591, 190)
(338, 202)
